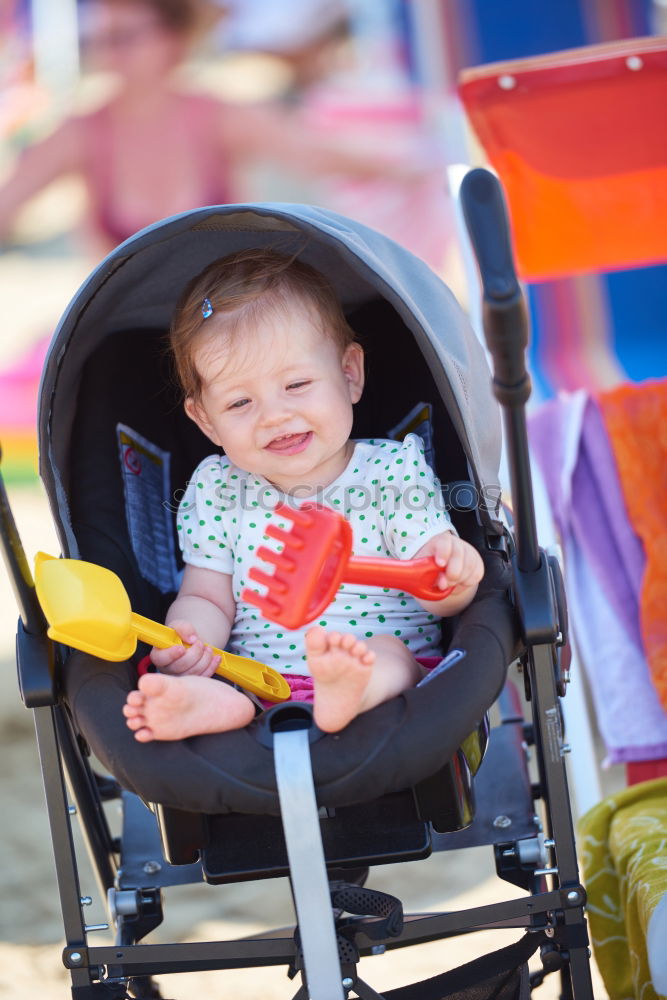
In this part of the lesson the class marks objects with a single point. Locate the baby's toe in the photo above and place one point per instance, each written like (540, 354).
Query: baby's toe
(144, 735)
(135, 722)
(362, 651)
(316, 640)
(152, 685)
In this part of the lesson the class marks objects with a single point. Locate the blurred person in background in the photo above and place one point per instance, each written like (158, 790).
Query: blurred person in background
(348, 78)
(155, 147)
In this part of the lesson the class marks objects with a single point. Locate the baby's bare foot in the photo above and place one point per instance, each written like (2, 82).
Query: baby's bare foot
(341, 669)
(173, 708)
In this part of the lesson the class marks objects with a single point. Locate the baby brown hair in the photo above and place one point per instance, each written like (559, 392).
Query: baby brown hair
(239, 289)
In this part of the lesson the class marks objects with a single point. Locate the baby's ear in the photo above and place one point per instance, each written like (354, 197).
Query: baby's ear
(196, 412)
(353, 369)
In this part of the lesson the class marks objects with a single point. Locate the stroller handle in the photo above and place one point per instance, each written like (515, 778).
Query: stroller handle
(505, 318)
(505, 322)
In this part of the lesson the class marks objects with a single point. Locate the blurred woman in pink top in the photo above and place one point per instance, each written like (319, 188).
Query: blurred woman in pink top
(155, 149)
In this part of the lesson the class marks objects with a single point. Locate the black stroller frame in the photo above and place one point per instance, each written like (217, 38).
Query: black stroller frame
(166, 845)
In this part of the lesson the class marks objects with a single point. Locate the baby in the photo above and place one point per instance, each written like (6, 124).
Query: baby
(270, 371)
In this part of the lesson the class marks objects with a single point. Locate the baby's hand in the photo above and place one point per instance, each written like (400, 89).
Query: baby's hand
(198, 658)
(461, 562)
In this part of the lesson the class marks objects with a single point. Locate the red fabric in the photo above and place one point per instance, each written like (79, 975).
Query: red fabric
(578, 142)
(645, 770)
(144, 666)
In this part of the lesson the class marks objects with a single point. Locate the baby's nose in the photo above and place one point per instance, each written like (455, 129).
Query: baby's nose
(275, 413)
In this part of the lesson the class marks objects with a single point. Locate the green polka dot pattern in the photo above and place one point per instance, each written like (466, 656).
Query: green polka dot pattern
(223, 517)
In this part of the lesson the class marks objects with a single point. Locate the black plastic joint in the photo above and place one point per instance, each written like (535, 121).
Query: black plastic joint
(35, 659)
(75, 957)
(573, 895)
(284, 717)
(513, 395)
(506, 331)
(536, 603)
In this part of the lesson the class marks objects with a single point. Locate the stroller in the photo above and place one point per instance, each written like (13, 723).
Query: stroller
(422, 772)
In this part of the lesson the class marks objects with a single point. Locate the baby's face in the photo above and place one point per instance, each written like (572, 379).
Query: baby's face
(278, 398)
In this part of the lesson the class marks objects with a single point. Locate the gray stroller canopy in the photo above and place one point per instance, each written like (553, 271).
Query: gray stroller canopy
(139, 283)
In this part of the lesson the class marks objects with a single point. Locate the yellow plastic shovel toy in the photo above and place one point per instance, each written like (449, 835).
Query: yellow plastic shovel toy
(87, 607)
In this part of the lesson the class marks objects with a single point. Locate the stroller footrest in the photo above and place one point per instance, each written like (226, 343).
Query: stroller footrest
(384, 831)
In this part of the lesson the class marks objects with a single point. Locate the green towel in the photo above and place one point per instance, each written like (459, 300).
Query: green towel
(623, 850)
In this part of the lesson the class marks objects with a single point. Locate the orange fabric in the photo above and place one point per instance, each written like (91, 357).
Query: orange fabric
(636, 420)
(579, 140)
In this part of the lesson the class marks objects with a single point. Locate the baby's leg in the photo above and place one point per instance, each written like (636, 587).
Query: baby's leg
(172, 708)
(351, 675)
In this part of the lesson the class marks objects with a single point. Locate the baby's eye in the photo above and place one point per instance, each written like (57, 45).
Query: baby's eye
(300, 384)
(238, 404)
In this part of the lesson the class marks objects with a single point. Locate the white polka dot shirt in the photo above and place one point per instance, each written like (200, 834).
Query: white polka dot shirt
(393, 502)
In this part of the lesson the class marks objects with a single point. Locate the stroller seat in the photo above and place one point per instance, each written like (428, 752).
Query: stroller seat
(398, 777)
(125, 381)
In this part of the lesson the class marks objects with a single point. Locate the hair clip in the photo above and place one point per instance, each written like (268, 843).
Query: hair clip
(206, 308)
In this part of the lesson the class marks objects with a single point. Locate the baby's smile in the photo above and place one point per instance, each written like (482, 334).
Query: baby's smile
(290, 444)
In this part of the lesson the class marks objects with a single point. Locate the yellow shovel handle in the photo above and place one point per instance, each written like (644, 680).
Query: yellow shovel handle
(254, 677)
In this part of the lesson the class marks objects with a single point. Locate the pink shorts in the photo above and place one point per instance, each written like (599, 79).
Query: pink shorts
(302, 686)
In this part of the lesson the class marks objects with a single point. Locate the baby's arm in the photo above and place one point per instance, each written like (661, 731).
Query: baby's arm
(203, 612)
(462, 568)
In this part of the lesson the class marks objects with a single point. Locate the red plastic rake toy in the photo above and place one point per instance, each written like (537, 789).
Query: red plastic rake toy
(316, 558)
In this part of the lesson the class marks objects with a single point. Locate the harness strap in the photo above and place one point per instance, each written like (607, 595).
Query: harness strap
(310, 885)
